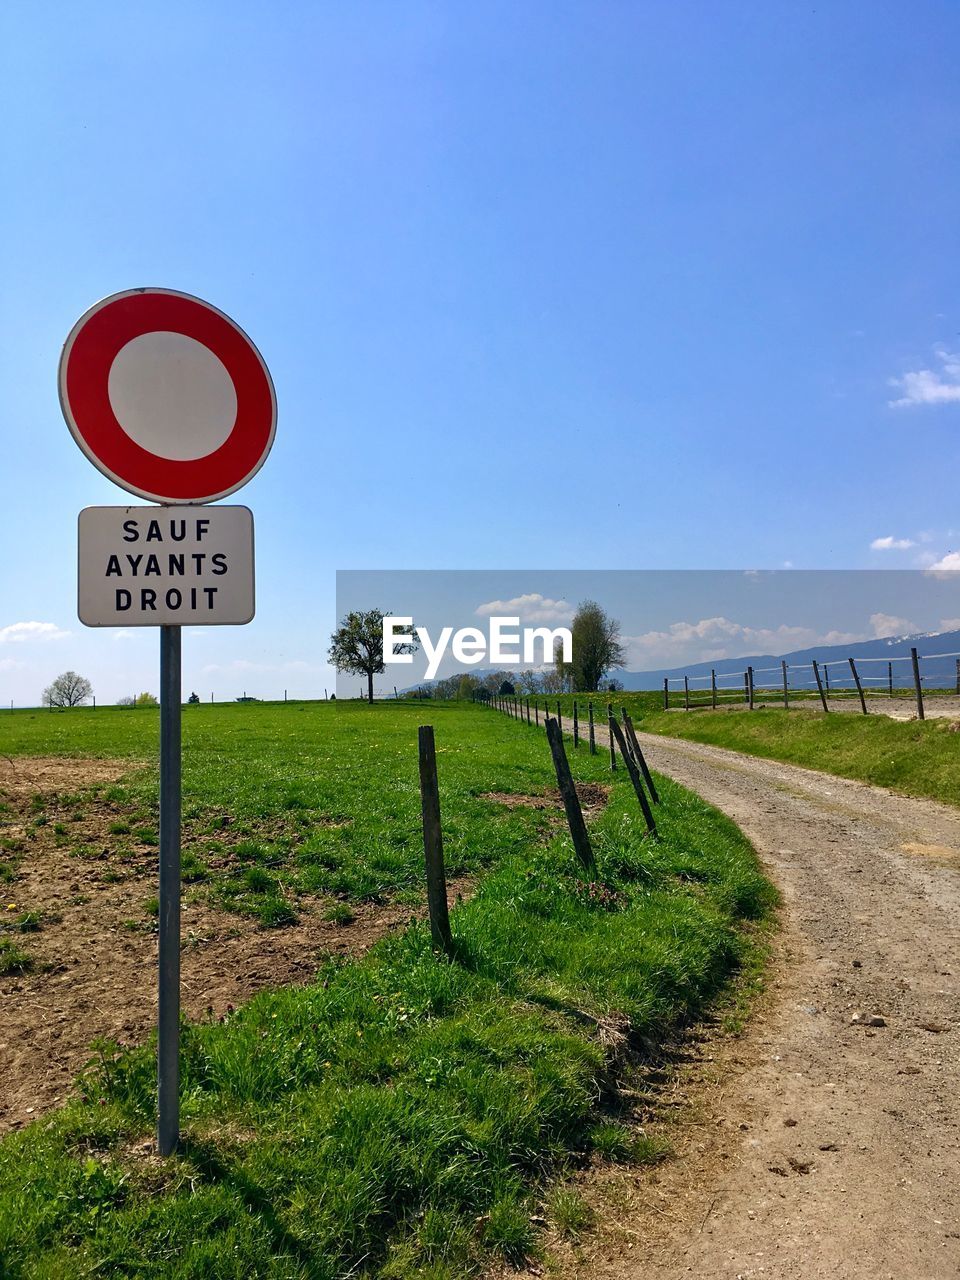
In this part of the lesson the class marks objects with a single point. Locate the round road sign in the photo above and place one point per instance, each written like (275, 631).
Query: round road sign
(167, 396)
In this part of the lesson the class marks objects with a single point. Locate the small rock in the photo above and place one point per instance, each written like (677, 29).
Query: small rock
(856, 1017)
(789, 1122)
(857, 964)
(875, 1020)
(829, 1146)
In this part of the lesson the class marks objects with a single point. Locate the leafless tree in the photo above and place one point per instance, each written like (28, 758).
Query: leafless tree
(68, 690)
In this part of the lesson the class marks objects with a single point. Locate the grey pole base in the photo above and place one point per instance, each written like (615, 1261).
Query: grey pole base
(168, 973)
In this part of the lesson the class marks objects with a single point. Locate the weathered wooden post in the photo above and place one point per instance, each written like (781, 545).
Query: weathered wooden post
(634, 778)
(713, 688)
(890, 676)
(433, 841)
(571, 801)
(666, 693)
(958, 676)
(686, 694)
(593, 736)
(786, 687)
(856, 680)
(823, 697)
(639, 757)
(826, 678)
(916, 682)
(576, 724)
(746, 687)
(613, 749)
(750, 687)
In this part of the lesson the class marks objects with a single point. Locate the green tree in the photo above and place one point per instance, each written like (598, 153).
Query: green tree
(466, 687)
(356, 646)
(596, 648)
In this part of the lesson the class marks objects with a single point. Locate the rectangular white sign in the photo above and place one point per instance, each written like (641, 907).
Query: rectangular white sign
(165, 566)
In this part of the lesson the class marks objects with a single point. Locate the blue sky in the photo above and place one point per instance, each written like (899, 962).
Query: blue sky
(574, 285)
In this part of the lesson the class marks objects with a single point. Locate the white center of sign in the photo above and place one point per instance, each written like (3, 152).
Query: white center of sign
(172, 396)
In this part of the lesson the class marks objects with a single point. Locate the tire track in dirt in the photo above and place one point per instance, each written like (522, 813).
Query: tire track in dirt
(821, 1145)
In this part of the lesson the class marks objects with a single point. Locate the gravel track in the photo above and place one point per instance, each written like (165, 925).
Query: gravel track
(819, 1145)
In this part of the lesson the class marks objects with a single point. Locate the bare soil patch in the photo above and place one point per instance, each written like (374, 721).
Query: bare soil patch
(593, 798)
(95, 951)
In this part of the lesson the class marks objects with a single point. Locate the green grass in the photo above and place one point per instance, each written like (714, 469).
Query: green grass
(915, 758)
(319, 796)
(13, 960)
(405, 1114)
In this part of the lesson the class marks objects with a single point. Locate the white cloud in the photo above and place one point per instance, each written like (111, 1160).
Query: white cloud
(948, 564)
(887, 624)
(124, 634)
(892, 544)
(930, 386)
(529, 608)
(10, 664)
(950, 624)
(21, 632)
(715, 638)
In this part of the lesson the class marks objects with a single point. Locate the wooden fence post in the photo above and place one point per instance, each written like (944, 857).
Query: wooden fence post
(433, 841)
(634, 778)
(786, 687)
(638, 756)
(528, 711)
(536, 712)
(958, 675)
(593, 736)
(613, 749)
(576, 724)
(750, 687)
(713, 688)
(571, 801)
(856, 680)
(666, 693)
(816, 672)
(826, 677)
(686, 694)
(890, 676)
(916, 680)
(746, 687)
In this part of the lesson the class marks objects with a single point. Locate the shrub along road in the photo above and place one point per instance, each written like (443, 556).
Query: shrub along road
(831, 1147)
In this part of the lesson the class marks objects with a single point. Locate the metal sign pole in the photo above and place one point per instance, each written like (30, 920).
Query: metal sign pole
(168, 1015)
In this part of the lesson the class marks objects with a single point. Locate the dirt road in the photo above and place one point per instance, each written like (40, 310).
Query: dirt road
(821, 1144)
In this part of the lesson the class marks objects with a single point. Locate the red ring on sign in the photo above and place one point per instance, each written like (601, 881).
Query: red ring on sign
(97, 341)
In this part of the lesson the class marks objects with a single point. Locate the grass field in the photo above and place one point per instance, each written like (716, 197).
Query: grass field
(403, 1115)
(916, 758)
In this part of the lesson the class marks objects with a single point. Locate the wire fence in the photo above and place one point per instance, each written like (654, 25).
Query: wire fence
(912, 676)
